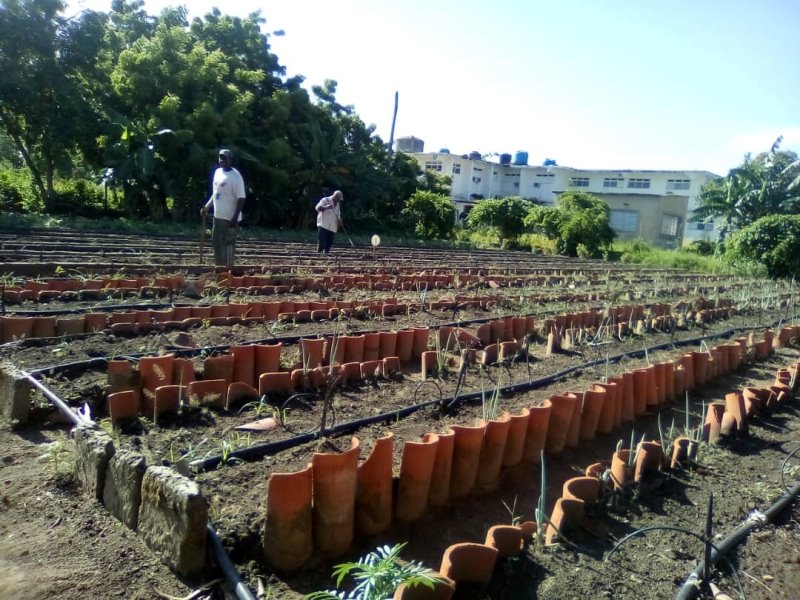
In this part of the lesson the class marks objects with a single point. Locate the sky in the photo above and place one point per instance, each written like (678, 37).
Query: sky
(593, 84)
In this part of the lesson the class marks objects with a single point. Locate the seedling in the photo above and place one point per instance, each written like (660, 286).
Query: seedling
(512, 511)
(492, 406)
(259, 408)
(378, 575)
(540, 514)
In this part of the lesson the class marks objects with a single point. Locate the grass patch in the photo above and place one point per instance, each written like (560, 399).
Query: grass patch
(641, 253)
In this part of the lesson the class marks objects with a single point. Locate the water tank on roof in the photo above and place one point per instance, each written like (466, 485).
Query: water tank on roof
(475, 155)
(520, 157)
(549, 162)
(410, 144)
(505, 159)
(444, 151)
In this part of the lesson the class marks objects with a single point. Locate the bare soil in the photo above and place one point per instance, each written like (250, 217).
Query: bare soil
(57, 542)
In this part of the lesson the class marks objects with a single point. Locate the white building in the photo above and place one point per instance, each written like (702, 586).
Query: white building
(652, 205)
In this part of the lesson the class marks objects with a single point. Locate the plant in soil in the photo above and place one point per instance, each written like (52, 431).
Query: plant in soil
(540, 513)
(377, 575)
(62, 460)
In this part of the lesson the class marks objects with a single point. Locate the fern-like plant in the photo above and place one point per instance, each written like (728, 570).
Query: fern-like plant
(377, 576)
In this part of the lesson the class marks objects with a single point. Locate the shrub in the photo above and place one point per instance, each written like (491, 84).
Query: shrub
(17, 193)
(579, 223)
(772, 241)
(702, 247)
(506, 215)
(81, 198)
(483, 237)
(433, 214)
(538, 243)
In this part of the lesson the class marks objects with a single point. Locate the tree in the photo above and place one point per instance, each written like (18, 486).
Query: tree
(765, 185)
(506, 215)
(435, 182)
(773, 241)
(579, 223)
(433, 214)
(44, 103)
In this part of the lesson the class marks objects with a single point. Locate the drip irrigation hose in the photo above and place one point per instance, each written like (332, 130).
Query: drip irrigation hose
(269, 448)
(293, 339)
(706, 543)
(77, 419)
(240, 590)
(103, 308)
(692, 584)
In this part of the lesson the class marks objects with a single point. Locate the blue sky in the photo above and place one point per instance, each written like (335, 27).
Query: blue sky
(617, 84)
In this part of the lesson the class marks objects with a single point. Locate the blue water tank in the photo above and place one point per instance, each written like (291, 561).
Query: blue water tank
(549, 162)
(444, 151)
(520, 157)
(505, 159)
(474, 155)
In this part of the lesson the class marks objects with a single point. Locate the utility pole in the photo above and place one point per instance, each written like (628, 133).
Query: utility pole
(391, 135)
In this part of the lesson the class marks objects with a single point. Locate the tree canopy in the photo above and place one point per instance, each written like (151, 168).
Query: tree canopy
(144, 102)
(765, 185)
(579, 223)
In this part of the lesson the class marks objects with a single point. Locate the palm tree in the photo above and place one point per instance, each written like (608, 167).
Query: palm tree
(765, 185)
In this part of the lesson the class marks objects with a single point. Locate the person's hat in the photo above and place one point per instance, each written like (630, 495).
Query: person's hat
(226, 153)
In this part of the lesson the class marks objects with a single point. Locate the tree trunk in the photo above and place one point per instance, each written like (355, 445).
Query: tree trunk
(18, 142)
(50, 198)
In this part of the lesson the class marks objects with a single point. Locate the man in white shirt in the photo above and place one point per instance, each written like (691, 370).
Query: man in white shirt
(227, 199)
(329, 217)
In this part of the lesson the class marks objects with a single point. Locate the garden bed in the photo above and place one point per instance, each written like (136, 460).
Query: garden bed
(236, 492)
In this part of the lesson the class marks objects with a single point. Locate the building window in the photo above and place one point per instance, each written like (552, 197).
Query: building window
(611, 182)
(477, 169)
(624, 221)
(536, 185)
(476, 179)
(642, 184)
(433, 165)
(579, 182)
(545, 175)
(456, 168)
(516, 184)
(677, 184)
(670, 225)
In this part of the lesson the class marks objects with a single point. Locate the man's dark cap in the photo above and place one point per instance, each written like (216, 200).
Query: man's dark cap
(226, 153)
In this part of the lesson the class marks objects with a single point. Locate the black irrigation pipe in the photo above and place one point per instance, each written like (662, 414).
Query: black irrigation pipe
(691, 586)
(240, 590)
(79, 366)
(706, 542)
(102, 308)
(261, 450)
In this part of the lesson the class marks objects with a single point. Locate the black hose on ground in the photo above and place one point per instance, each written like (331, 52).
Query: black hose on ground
(260, 450)
(693, 582)
(240, 590)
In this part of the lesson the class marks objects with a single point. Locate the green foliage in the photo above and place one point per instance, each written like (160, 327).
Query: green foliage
(579, 224)
(145, 102)
(642, 253)
(765, 185)
(433, 181)
(377, 576)
(481, 237)
(433, 214)
(538, 243)
(772, 241)
(702, 247)
(506, 215)
(17, 191)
